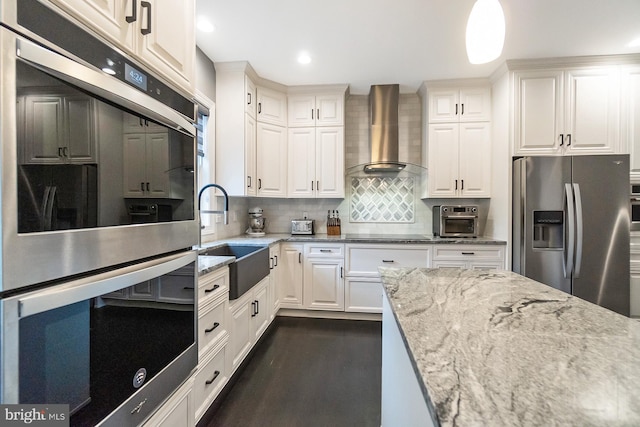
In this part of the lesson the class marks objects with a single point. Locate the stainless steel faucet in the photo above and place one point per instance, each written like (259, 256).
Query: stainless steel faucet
(225, 212)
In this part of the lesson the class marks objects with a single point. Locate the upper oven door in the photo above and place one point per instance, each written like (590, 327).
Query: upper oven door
(79, 148)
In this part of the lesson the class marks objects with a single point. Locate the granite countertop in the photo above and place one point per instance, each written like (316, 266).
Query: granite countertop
(495, 348)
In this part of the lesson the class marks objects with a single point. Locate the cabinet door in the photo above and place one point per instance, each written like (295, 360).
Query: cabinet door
(475, 160)
(44, 129)
(251, 97)
(261, 308)
(324, 284)
(443, 105)
(157, 165)
(158, 41)
(240, 329)
(107, 17)
(301, 110)
(329, 165)
(363, 295)
(330, 110)
(475, 104)
(592, 114)
(135, 175)
(274, 279)
(443, 160)
(301, 174)
(178, 410)
(80, 125)
(291, 275)
(250, 155)
(538, 112)
(272, 107)
(631, 117)
(272, 160)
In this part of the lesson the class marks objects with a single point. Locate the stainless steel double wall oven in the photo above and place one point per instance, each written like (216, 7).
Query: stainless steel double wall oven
(97, 307)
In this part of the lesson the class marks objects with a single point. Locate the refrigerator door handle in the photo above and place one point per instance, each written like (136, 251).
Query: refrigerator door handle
(579, 229)
(569, 243)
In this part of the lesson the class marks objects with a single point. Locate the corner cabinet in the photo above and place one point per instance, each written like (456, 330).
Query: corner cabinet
(271, 160)
(147, 30)
(459, 140)
(567, 111)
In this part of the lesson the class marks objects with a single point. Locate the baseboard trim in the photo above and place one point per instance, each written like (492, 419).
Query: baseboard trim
(288, 312)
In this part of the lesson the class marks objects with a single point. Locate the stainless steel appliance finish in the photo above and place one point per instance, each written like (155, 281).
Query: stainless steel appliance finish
(302, 226)
(571, 225)
(81, 238)
(383, 113)
(455, 221)
(82, 342)
(634, 207)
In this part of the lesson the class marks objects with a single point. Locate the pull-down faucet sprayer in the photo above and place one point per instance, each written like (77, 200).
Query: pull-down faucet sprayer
(225, 212)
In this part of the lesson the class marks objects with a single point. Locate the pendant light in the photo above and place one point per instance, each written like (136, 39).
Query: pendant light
(485, 31)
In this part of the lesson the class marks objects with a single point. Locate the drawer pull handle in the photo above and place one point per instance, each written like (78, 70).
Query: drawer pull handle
(388, 260)
(215, 375)
(276, 258)
(187, 288)
(206, 291)
(468, 253)
(325, 250)
(215, 325)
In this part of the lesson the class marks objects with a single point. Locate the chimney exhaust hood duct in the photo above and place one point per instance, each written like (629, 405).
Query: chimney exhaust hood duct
(383, 118)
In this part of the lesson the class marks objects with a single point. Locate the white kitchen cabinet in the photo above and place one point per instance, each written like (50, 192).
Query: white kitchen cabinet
(272, 106)
(58, 129)
(631, 117)
(271, 160)
(210, 378)
(147, 30)
(459, 160)
(452, 105)
(146, 161)
(363, 288)
(477, 257)
(567, 111)
(309, 109)
(236, 128)
(634, 282)
(212, 325)
(136, 124)
(249, 318)
(316, 162)
(323, 277)
(274, 279)
(178, 410)
(291, 275)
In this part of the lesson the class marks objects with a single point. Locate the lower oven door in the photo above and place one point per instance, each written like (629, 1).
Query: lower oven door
(112, 346)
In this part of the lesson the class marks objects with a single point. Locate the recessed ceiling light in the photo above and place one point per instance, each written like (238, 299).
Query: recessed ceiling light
(634, 43)
(304, 58)
(485, 31)
(204, 25)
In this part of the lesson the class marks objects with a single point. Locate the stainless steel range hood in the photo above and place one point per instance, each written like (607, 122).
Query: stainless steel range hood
(383, 119)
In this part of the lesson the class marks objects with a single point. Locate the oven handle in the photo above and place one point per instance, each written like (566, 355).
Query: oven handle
(93, 286)
(102, 85)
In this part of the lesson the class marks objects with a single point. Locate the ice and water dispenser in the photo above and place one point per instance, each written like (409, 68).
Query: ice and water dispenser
(548, 229)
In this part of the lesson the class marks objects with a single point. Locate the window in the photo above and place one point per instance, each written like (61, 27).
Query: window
(206, 164)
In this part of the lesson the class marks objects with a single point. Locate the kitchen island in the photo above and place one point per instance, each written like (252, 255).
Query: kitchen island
(495, 348)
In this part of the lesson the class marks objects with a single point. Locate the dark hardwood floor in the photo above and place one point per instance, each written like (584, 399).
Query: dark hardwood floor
(307, 372)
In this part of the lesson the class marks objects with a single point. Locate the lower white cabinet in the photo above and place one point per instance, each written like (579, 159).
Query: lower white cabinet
(476, 257)
(178, 410)
(323, 280)
(291, 275)
(249, 317)
(363, 291)
(211, 377)
(634, 282)
(274, 279)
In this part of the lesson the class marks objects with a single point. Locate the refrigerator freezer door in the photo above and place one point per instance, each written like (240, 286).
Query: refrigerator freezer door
(603, 183)
(539, 191)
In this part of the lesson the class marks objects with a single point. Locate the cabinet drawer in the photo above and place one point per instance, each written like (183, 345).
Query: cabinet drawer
(366, 260)
(212, 285)
(210, 379)
(211, 324)
(324, 250)
(363, 295)
(471, 252)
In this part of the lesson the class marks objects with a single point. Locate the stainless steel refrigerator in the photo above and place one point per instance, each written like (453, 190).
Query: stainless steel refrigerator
(571, 225)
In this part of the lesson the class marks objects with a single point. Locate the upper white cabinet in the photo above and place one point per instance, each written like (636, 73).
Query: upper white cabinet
(449, 105)
(236, 128)
(631, 117)
(316, 162)
(272, 106)
(567, 111)
(458, 153)
(146, 160)
(271, 160)
(316, 109)
(161, 33)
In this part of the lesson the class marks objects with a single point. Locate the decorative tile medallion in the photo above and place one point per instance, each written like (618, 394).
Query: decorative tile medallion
(376, 199)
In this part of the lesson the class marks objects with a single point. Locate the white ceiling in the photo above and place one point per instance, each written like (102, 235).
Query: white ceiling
(365, 42)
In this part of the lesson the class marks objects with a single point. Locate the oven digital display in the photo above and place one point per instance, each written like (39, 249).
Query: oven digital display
(135, 77)
(460, 209)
